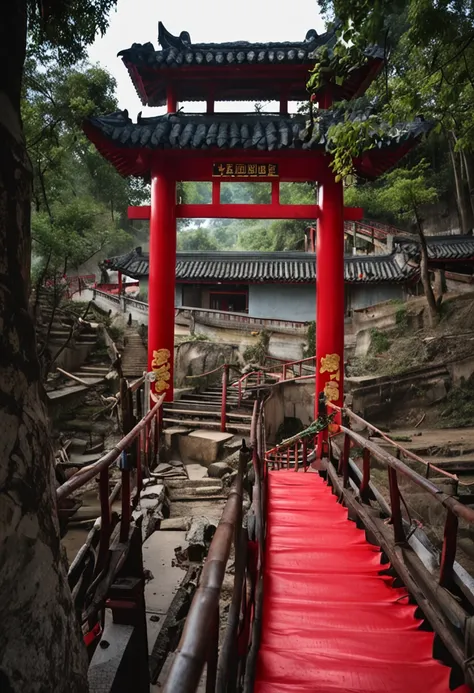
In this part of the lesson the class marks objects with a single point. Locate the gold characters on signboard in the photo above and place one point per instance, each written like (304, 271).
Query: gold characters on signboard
(331, 364)
(239, 170)
(161, 368)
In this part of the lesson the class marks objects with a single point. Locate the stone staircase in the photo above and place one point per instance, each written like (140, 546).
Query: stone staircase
(60, 326)
(134, 356)
(203, 410)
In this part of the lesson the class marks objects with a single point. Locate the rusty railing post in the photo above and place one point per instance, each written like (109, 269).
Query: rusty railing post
(396, 519)
(448, 554)
(283, 374)
(225, 381)
(126, 465)
(296, 456)
(211, 672)
(364, 486)
(344, 461)
(105, 518)
(305, 453)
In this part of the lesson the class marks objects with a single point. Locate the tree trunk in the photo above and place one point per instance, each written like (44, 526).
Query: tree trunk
(41, 646)
(462, 203)
(467, 158)
(425, 275)
(439, 284)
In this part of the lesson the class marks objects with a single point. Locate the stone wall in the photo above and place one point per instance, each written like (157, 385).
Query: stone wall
(289, 400)
(196, 357)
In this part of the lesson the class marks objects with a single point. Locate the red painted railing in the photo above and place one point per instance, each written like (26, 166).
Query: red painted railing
(244, 382)
(225, 368)
(136, 452)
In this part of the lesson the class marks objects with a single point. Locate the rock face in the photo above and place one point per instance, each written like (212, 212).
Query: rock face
(196, 357)
(151, 509)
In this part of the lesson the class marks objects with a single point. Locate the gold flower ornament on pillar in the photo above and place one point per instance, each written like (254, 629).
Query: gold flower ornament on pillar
(331, 364)
(161, 368)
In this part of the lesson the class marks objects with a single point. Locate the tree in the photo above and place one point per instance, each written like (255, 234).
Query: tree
(41, 646)
(405, 193)
(199, 239)
(429, 50)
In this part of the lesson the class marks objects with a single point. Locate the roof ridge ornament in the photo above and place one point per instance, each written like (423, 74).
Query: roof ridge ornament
(167, 40)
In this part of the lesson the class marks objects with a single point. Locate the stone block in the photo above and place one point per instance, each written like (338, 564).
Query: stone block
(208, 490)
(172, 435)
(219, 469)
(203, 446)
(175, 524)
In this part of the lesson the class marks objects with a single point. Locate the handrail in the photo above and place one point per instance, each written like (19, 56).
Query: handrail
(238, 383)
(215, 370)
(82, 477)
(407, 453)
(461, 511)
(200, 639)
(92, 572)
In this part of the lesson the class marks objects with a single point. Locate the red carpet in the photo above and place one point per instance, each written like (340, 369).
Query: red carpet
(331, 622)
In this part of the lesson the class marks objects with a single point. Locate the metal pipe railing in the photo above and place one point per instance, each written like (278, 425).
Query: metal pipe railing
(200, 639)
(406, 453)
(83, 476)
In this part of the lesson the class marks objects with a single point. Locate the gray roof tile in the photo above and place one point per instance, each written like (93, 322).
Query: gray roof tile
(263, 132)
(176, 51)
(253, 267)
(451, 247)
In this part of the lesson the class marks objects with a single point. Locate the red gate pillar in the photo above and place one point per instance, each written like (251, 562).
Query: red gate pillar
(330, 293)
(162, 281)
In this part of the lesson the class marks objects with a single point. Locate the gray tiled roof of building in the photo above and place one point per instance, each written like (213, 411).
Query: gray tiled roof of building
(452, 247)
(178, 51)
(262, 132)
(254, 267)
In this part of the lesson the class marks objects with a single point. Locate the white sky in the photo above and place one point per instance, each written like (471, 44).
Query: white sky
(136, 21)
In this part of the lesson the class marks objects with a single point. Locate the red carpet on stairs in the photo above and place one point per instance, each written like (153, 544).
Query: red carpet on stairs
(331, 622)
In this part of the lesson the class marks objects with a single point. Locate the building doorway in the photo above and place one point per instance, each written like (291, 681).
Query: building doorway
(229, 301)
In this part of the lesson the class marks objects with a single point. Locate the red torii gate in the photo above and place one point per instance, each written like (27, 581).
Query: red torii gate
(163, 251)
(239, 148)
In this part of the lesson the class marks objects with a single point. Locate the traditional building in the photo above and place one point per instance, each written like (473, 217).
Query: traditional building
(221, 147)
(278, 285)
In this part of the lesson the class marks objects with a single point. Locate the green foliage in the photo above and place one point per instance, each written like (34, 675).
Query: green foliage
(310, 349)
(401, 318)
(379, 342)
(406, 191)
(348, 140)
(66, 28)
(334, 64)
(79, 200)
(240, 234)
(459, 411)
(198, 239)
(257, 353)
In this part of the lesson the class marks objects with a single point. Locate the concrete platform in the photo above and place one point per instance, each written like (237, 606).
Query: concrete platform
(158, 555)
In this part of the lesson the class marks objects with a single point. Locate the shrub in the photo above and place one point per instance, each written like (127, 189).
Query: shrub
(379, 342)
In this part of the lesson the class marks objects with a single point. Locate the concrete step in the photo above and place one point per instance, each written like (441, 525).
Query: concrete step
(212, 399)
(231, 426)
(189, 404)
(200, 412)
(194, 483)
(95, 369)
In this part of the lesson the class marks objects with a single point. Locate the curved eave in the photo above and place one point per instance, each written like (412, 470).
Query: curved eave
(240, 82)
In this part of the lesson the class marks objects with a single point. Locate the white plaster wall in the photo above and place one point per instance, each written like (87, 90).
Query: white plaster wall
(363, 295)
(283, 301)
